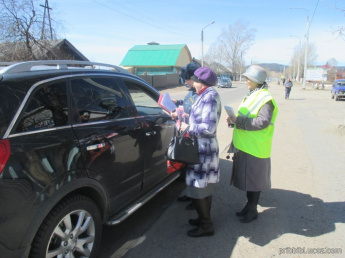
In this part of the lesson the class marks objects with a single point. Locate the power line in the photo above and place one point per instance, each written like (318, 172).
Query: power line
(134, 18)
(314, 13)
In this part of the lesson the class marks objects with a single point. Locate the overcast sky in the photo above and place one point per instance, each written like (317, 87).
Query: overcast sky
(104, 30)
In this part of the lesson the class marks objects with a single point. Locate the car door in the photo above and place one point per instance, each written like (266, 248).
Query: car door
(43, 145)
(108, 137)
(157, 130)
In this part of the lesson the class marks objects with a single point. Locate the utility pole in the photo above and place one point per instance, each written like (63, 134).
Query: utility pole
(46, 9)
(202, 43)
(241, 67)
(306, 48)
(306, 54)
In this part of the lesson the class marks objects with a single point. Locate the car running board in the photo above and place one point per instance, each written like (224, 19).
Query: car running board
(118, 218)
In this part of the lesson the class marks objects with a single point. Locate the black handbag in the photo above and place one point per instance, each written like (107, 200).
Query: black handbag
(183, 149)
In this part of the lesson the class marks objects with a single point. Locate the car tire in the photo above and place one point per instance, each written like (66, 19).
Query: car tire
(73, 228)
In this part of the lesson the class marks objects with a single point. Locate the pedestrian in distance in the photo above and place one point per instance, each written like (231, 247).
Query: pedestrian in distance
(202, 178)
(187, 102)
(252, 141)
(288, 85)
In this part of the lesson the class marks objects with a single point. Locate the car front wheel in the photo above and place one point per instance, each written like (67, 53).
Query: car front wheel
(72, 229)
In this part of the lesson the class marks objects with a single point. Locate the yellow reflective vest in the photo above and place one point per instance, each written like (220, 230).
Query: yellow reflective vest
(257, 143)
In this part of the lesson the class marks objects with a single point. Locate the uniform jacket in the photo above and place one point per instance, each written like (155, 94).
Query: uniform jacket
(188, 101)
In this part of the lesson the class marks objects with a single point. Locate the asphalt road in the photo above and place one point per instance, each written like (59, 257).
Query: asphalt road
(302, 215)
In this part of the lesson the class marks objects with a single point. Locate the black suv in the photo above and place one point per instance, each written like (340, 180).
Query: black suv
(79, 147)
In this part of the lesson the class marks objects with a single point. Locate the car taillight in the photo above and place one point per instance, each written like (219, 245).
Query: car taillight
(174, 166)
(5, 152)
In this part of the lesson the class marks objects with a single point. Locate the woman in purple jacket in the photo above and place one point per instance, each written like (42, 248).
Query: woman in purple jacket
(203, 122)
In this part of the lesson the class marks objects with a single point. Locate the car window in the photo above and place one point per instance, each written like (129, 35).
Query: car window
(144, 103)
(98, 99)
(10, 100)
(47, 108)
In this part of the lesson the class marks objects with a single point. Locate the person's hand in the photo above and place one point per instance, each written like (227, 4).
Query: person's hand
(231, 120)
(183, 126)
(174, 100)
(173, 115)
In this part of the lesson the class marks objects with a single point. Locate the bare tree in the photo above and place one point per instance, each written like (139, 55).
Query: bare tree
(341, 29)
(215, 57)
(21, 30)
(297, 60)
(296, 63)
(312, 54)
(234, 42)
(332, 62)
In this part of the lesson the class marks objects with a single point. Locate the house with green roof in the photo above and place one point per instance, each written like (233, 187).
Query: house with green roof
(157, 59)
(162, 63)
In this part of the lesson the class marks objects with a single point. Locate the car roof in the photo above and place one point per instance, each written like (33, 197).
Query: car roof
(45, 69)
(14, 68)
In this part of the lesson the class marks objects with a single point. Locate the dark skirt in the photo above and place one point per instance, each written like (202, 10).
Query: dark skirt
(250, 173)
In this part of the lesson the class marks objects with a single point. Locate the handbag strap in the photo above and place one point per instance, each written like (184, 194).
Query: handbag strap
(184, 132)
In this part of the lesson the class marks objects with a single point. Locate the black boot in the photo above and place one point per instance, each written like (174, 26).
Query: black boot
(252, 212)
(204, 211)
(196, 222)
(245, 209)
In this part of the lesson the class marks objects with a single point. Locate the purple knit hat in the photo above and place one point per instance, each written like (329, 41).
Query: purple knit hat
(205, 75)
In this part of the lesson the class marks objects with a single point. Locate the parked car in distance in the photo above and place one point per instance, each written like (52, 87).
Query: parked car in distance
(79, 147)
(224, 83)
(338, 89)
